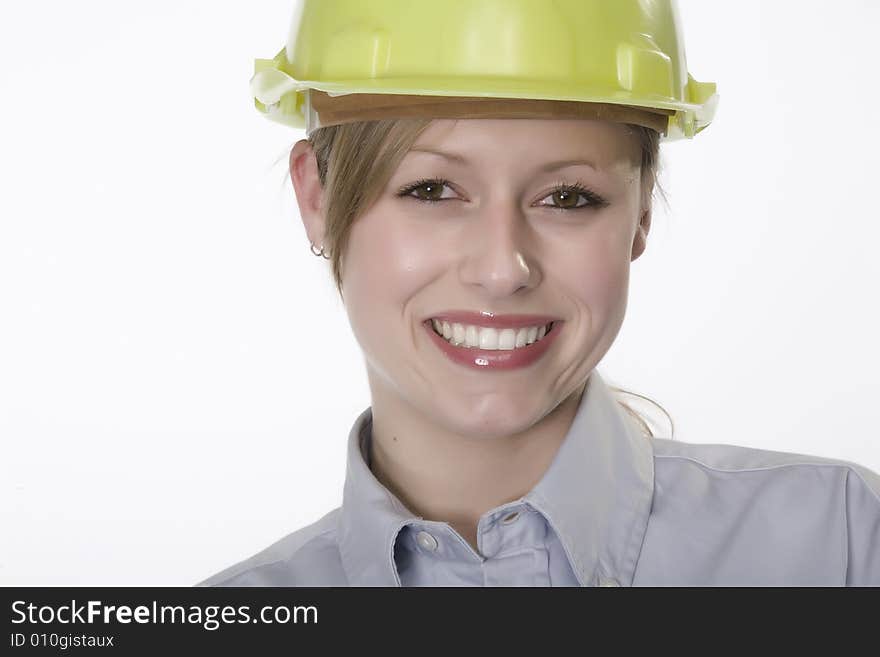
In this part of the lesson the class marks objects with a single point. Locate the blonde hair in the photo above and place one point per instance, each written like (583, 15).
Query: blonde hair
(356, 160)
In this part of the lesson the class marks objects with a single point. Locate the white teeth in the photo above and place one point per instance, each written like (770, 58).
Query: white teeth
(469, 335)
(458, 334)
(472, 337)
(488, 338)
(506, 339)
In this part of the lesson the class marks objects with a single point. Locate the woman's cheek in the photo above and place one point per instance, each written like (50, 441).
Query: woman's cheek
(393, 260)
(597, 283)
(417, 255)
(365, 279)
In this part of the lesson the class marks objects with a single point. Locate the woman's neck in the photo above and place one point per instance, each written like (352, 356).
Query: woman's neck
(440, 475)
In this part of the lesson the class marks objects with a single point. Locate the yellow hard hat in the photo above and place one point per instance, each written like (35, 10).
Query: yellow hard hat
(626, 55)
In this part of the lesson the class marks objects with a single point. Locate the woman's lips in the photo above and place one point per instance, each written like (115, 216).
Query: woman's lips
(496, 359)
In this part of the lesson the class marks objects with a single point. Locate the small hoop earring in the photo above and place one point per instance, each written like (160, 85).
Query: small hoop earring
(319, 252)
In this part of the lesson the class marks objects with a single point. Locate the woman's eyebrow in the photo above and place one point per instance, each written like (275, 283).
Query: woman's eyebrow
(550, 166)
(449, 156)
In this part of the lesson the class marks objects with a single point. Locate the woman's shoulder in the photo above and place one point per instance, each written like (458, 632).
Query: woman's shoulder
(292, 560)
(730, 514)
(715, 462)
(726, 459)
(775, 503)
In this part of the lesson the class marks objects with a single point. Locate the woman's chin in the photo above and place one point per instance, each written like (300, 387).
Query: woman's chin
(489, 416)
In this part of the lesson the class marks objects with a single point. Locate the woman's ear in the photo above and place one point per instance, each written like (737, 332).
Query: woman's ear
(309, 192)
(640, 241)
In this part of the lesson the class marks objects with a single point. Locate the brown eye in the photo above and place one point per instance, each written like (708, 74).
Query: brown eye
(429, 191)
(566, 198)
(426, 190)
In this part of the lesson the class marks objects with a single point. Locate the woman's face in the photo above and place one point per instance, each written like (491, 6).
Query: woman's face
(494, 242)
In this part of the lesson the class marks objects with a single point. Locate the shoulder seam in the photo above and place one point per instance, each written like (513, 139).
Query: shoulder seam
(262, 564)
(874, 493)
(759, 469)
(301, 546)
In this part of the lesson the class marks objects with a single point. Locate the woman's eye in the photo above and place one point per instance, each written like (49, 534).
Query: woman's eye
(429, 191)
(568, 197)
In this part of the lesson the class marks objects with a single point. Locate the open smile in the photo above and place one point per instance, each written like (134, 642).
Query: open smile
(492, 348)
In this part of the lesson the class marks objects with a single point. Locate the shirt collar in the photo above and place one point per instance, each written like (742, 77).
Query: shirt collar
(596, 495)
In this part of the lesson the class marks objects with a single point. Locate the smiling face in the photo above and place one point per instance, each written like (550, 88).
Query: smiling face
(519, 217)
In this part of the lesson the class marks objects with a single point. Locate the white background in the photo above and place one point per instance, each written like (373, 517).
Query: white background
(178, 376)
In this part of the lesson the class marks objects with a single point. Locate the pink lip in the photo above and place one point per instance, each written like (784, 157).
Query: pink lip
(494, 359)
(491, 320)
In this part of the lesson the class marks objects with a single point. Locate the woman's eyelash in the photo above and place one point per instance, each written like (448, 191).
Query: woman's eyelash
(409, 189)
(579, 187)
(593, 200)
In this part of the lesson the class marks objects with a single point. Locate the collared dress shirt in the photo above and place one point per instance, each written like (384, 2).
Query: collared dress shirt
(614, 508)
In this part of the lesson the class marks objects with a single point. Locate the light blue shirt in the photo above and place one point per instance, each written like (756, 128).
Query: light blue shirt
(615, 508)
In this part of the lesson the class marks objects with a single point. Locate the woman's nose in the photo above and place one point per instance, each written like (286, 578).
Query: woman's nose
(496, 252)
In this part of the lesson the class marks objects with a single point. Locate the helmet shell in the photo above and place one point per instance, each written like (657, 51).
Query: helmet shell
(628, 52)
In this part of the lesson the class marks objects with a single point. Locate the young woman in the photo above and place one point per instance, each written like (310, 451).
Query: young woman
(480, 189)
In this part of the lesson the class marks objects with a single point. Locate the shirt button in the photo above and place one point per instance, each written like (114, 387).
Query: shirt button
(509, 518)
(426, 541)
(608, 581)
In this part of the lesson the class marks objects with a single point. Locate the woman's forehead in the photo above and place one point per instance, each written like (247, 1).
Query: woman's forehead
(468, 141)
